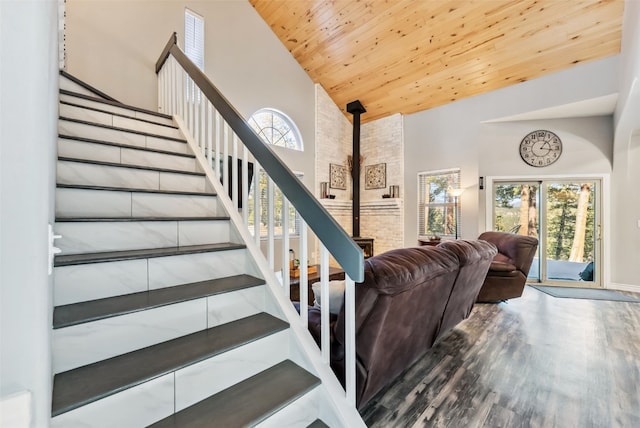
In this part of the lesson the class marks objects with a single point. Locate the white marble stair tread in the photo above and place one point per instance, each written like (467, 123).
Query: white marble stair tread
(104, 118)
(249, 402)
(87, 100)
(96, 201)
(83, 385)
(81, 235)
(108, 174)
(88, 149)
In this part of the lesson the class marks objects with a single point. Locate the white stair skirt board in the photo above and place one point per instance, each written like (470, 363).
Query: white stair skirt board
(89, 342)
(80, 283)
(80, 173)
(120, 110)
(128, 156)
(108, 203)
(98, 236)
(83, 130)
(103, 118)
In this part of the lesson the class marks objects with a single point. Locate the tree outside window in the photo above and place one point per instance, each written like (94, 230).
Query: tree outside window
(437, 214)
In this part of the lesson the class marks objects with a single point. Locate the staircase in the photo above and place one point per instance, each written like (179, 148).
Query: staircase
(161, 317)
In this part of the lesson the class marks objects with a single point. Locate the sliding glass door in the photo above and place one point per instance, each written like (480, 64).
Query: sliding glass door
(564, 216)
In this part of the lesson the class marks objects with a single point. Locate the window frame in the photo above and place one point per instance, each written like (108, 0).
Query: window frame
(194, 51)
(449, 203)
(258, 129)
(277, 193)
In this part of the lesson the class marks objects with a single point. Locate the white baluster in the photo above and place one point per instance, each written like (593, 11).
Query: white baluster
(256, 202)
(350, 334)
(270, 225)
(286, 280)
(324, 303)
(304, 276)
(245, 185)
(218, 139)
(234, 171)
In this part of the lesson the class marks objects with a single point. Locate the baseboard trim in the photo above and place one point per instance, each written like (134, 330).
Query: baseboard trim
(624, 287)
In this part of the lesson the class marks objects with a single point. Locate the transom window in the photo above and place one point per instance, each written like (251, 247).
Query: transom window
(275, 127)
(437, 211)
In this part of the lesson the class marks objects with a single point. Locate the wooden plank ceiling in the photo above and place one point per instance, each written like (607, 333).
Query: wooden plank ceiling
(410, 55)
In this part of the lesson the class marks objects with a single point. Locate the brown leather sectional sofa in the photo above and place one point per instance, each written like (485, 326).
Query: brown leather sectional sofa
(410, 297)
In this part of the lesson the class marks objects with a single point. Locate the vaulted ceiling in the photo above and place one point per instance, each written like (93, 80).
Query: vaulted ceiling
(404, 56)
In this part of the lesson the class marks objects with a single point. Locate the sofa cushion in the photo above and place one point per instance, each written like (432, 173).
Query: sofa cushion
(501, 267)
(336, 295)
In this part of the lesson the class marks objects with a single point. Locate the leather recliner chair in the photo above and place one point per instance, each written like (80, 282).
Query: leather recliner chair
(508, 272)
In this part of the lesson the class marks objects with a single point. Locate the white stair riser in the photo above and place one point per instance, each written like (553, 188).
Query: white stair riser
(70, 85)
(135, 407)
(115, 109)
(79, 173)
(107, 203)
(301, 413)
(197, 382)
(83, 130)
(152, 401)
(89, 342)
(88, 115)
(91, 237)
(79, 283)
(105, 153)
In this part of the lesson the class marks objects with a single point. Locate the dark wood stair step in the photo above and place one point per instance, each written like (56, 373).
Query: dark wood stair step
(114, 103)
(78, 313)
(132, 117)
(130, 166)
(83, 385)
(119, 129)
(134, 219)
(318, 424)
(125, 146)
(127, 189)
(248, 402)
(114, 256)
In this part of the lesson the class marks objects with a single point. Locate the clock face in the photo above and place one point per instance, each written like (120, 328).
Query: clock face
(540, 148)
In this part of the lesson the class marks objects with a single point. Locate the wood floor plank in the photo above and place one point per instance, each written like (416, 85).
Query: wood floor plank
(537, 361)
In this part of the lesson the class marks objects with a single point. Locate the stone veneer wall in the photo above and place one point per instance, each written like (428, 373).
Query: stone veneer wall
(381, 141)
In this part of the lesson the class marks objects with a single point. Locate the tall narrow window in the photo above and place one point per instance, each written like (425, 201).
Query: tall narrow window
(437, 211)
(194, 37)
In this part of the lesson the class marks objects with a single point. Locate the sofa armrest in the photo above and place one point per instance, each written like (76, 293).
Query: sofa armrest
(501, 267)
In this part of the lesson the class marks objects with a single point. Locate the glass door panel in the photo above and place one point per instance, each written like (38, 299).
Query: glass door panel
(570, 230)
(563, 215)
(517, 210)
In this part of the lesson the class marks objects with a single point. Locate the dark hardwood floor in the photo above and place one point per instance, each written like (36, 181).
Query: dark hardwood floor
(537, 361)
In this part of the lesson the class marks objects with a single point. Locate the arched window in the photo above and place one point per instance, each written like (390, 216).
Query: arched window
(275, 127)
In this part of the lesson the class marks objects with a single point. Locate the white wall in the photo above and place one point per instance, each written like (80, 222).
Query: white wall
(114, 45)
(456, 135)
(28, 122)
(626, 159)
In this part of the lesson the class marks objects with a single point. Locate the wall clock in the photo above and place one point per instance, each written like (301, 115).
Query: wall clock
(540, 148)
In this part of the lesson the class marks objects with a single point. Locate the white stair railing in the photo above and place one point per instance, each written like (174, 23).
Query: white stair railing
(224, 138)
